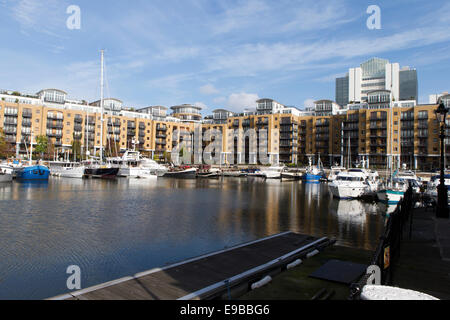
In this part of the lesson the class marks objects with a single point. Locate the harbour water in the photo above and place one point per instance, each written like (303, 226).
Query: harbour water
(112, 229)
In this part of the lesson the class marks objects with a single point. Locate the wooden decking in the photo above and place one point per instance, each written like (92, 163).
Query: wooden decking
(207, 276)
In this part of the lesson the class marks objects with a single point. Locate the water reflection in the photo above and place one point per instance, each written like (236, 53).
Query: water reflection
(116, 228)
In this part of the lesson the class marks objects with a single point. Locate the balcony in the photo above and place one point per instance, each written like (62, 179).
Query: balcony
(11, 121)
(58, 125)
(78, 127)
(55, 135)
(161, 128)
(27, 114)
(26, 123)
(161, 136)
(77, 136)
(261, 122)
(53, 116)
(131, 133)
(78, 119)
(142, 126)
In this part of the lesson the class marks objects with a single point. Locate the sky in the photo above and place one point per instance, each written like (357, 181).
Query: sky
(216, 54)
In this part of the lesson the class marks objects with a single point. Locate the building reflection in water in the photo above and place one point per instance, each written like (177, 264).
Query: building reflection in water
(117, 228)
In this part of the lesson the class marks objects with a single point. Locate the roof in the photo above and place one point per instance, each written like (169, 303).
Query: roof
(52, 90)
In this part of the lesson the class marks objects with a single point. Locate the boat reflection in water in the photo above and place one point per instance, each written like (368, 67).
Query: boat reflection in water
(353, 213)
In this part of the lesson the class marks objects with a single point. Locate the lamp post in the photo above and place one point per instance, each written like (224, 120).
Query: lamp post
(442, 204)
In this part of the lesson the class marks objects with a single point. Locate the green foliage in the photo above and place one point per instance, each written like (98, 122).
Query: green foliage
(16, 93)
(76, 149)
(41, 145)
(3, 145)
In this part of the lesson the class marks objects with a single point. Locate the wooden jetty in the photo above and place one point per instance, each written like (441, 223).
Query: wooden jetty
(223, 274)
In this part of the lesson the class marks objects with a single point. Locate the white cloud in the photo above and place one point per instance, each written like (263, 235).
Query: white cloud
(208, 89)
(220, 100)
(237, 102)
(38, 16)
(309, 103)
(201, 105)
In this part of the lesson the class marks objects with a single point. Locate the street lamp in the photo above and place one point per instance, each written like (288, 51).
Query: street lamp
(442, 204)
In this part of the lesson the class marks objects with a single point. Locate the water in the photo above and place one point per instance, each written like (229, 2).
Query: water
(112, 229)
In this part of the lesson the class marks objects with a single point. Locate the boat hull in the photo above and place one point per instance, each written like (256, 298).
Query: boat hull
(5, 177)
(390, 196)
(102, 173)
(312, 178)
(347, 192)
(287, 176)
(74, 173)
(186, 174)
(33, 173)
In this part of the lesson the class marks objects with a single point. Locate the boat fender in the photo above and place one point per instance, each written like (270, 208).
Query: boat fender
(294, 264)
(312, 253)
(261, 283)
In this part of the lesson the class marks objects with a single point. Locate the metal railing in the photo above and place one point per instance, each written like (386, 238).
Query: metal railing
(388, 249)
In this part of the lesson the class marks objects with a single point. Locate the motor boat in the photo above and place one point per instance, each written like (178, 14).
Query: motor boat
(291, 175)
(6, 173)
(334, 173)
(67, 169)
(432, 187)
(273, 172)
(410, 177)
(94, 169)
(181, 173)
(350, 185)
(208, 172)
(394, 191)
(133, 165)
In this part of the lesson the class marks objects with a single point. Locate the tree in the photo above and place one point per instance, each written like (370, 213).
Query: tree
(41, 145)
(76, 149)
(3, 145)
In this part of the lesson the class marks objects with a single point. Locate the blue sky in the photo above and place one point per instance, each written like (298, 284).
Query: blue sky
(216, 53)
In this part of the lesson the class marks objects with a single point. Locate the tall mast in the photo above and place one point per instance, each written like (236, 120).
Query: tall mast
(101, 108)
(86, 132)
(31, 147)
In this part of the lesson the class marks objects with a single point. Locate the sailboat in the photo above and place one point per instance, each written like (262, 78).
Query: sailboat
(394, 190)
(100, 169)
(33, 172)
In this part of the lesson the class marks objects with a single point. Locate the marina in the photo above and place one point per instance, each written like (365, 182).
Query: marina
(117, 228)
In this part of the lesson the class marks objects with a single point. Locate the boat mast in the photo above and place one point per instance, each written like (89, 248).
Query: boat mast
(101, 108)
(31, 147)
(349, 152)
(86, 124)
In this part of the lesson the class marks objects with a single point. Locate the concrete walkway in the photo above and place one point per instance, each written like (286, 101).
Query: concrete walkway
(424, 261)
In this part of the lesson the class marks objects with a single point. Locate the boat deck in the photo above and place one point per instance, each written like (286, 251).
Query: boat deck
(209, 276)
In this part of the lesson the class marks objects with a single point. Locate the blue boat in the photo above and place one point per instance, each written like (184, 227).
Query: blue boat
(37, 172)
(314, 173)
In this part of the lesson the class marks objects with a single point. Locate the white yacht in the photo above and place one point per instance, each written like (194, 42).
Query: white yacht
(350, 185)
(411, 178)
(432, 190)
(334, 172)
(355, 183)
(273, 172)
(133, 165)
